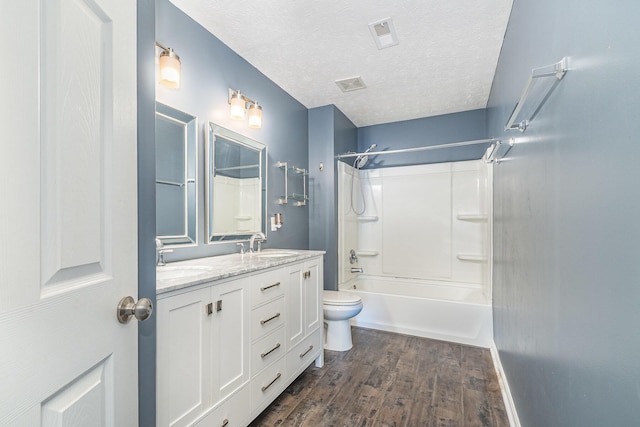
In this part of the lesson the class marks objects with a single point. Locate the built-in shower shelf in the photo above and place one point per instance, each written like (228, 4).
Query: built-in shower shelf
(471, 257)
(367, 218)
(242, 218)
(475, 217)
(367, 253)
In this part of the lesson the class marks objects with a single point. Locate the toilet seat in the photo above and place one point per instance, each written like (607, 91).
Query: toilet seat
(340, 298)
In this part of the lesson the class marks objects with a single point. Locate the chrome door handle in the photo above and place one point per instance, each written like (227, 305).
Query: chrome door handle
(128, 308)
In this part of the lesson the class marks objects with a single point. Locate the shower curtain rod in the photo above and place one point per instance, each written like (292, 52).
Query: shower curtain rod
(410, 150)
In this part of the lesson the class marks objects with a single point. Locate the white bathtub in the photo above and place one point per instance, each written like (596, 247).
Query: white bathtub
(439, 310)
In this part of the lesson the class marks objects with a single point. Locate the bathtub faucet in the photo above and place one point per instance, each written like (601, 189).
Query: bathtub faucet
(357, 270)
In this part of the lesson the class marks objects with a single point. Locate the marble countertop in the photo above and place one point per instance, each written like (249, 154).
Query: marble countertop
(182, 274)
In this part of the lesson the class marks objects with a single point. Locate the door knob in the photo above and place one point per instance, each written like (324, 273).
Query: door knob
(128, 307)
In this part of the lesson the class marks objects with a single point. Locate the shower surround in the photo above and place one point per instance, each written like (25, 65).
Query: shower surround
(422, 236)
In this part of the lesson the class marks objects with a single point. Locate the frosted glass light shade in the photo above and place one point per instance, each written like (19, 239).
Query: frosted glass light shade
(170, 69)
(237, 106)
(255, 116)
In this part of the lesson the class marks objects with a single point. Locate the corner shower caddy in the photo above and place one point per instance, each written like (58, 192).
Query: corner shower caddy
(298, 199)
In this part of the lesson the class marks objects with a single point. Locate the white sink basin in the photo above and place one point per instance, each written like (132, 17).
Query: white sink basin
(276, 254)
(169, 272)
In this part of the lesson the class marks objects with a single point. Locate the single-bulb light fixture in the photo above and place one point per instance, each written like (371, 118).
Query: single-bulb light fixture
(255, 116)
(238, 105)
(169, 67)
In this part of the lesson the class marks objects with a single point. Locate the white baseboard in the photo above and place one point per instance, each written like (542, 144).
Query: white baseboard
(504, 387)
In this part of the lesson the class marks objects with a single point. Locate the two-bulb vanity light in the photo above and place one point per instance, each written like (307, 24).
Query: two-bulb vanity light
(238, 105)
(169, 67)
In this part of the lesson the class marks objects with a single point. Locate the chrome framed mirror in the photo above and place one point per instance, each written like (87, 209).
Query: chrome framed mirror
(176, 172)
(236, 186)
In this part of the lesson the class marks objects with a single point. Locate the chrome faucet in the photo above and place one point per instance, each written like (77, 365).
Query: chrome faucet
(160, 251)
(260, 237)
(357, 270)
(241, 246)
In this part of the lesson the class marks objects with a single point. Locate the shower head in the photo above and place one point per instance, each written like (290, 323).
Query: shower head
(364, 158)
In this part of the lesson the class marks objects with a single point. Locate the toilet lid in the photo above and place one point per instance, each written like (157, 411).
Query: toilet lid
(340, 298)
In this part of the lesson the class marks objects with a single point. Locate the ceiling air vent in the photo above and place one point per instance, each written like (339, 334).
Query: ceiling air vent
(351, 84)
(384, 33)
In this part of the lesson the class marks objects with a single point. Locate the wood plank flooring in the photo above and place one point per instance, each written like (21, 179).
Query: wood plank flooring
(389, 379)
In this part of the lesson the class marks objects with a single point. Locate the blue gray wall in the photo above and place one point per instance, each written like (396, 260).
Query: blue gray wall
(566, 270)
(146, 210)
(330, 133)
(209, 69)
(457, 127)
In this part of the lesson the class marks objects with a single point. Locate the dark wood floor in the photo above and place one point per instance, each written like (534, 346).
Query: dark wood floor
(389, 379)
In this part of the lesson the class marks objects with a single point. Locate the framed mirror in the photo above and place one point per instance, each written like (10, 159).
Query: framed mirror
(236, 186)
(176, 172)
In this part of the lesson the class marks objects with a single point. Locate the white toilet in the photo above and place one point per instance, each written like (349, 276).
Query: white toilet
(338, 308)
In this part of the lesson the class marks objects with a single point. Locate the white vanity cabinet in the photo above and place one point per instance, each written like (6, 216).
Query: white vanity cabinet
(304, 321)
(202, 350)
(228, 348)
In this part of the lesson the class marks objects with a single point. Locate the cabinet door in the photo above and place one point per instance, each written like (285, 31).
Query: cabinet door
(313, 286)
(183, 355)
(294, 300)
(231, 341)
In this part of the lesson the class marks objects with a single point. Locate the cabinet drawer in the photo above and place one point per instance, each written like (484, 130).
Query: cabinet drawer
(232, 412)
(267, 318)
(267, 286)
(300, 356)
(267, 385)
(267, 350)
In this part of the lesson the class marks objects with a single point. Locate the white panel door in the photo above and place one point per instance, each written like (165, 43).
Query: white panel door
(184, 358)
(313, 295)
(231, 338)
(68, 227)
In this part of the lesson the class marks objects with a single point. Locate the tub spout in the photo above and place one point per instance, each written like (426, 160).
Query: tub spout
(357, 270)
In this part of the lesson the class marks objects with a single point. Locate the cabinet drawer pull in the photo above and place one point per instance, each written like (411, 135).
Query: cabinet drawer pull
(264, 288)
(225, 423)
(275, 316)
(265, 387)
(304, 353)
(263, 355)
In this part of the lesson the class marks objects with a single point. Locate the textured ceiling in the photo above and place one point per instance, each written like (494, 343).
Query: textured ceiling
(444, 62)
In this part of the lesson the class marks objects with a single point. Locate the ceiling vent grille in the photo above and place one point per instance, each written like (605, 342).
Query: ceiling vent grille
(351, 84)
(384, 33)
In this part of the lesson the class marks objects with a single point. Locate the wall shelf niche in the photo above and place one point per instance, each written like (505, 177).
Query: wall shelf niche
(472, 217)
(367, 218)
(367, 253)
(472, 257)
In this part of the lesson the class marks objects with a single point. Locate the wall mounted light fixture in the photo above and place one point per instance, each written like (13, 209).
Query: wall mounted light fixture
(169, 67)
(238, 104)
